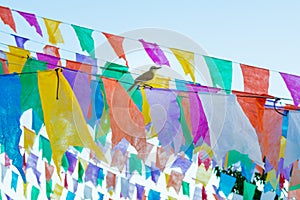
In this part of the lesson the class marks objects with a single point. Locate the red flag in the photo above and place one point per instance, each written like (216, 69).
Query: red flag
(7, 18)
(117, 44)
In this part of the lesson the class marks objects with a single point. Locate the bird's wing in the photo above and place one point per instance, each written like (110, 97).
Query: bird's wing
(147, 76)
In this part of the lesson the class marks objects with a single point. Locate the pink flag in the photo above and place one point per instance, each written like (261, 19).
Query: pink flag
(31, 19)
(155, 53)
(293, 84)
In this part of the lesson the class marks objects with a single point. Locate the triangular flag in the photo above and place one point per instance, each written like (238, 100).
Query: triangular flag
(57, 192)
(155, 53)
(3, 66)
(293, 84)
(49, 59)
(49, 188)
(185, 188)
(20, 41)
(110, 180)
(31, 19)
(220, 72)
(16, 59)
(226, 183)
(256, 80)
(153, 195)
(175, 180)
(44, 144)
(249, 190)
(85, 39)
(29, 138)
(7, 18)
(14, 181)
(186, 59)
(80, 172)
(10, 114)
(34, 193)
(117, 44)
(53, 31)
(63, 116)
(53, 51)
(49, 169)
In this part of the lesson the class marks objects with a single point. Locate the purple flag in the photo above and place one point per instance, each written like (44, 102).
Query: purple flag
(32, 163)
(165, 113)
(293, 84)
(155, 53)
(199, 121)
(75, 185)
(31, 19)
(183, 163)
(72, 162)
(51, 60)
(91, 174)
(87, 60)
(139, 191)
(124, 187)
(122, 146)
(20, 41)
(155, 173)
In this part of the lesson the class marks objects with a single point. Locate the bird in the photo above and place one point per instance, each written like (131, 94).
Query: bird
(145, 77)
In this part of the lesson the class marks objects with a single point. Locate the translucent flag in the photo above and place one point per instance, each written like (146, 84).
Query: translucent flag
(292, 152)
(85, 39)
(53, 51)
(256, 80)
(31, 19)
(29, 138)
(7, 18)
(20, 41)
(64, 120)
(293, 84)
(53, 31)
(175, 180)
(126, 119)
(220, 72)
(155, 53)
(10, 90)
(116, 43)
(34, 193)
(16, 59)
(186, 59)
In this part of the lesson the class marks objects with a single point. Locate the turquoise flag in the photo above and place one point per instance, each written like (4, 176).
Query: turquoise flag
(249, 190)
(226, 183)
(14, 181)
(34, 193)
(85, 39)
(220, 72)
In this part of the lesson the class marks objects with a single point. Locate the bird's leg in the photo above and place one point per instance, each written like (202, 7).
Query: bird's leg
(147, 86)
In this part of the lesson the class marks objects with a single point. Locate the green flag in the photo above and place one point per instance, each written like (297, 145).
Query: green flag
(185, 188)
(65, 162)
(249, 190)
(30, 96)
(220, 72)
(48, 188)
(85, 39)
(44, 144)
(34, 193)
(80, 172)
(135, 164)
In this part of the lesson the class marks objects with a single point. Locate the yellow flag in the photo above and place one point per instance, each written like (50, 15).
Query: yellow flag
(57, 192)
(16, 59)
(202, 175)
(271, 178)
(282, 147)
(186, 59)
(53, 31)
(63, 117)
(29, 137)
(159, 82)
(145, 108)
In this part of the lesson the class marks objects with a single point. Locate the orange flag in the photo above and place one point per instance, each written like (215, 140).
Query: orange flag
(256, 80)
(126, 119)
(175, 180)
(269, 137)
(52, 51)
(7, 18)
(116, 43)
(253, 108)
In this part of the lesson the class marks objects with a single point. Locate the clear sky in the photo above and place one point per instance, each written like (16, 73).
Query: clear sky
(260, 33)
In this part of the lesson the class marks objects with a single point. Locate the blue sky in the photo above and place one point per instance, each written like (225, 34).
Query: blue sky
(259, 33)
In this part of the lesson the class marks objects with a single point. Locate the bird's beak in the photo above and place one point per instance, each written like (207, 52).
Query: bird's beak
(158, 67)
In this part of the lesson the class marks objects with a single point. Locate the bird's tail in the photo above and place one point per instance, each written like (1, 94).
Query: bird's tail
(131, 87)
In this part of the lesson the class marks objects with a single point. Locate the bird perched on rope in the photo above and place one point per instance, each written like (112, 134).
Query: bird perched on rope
(145, 77)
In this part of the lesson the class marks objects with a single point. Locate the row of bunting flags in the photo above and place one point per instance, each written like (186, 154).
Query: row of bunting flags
(181, 133)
